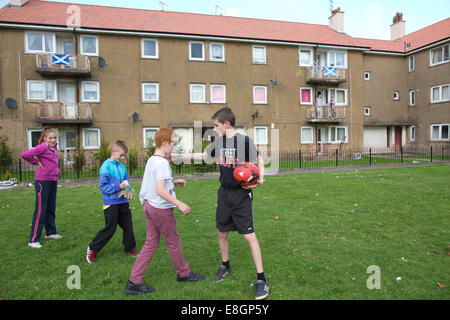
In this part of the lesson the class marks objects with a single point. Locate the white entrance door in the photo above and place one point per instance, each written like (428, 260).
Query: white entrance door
(67, 97)
(67, 143)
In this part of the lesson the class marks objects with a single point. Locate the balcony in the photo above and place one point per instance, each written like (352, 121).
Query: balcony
(325, 75)
(64, 113)
(325, 114)
(75, 65)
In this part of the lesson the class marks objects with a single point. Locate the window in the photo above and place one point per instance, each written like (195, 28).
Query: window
(337, 134)
(412, 98)
(337, 59)
(259, 54)
(306, 135)
(89, 45)
(196, 51)
(305, 57)
(439, 55)
(412, 133)
(367, 111)
(339, 96)
(149, 133)
(216, 52)
(91, 138)
(149, 49)
(218, 93)
(261, 136)
(39, 42)
(197, 93)
(440, 93)
(260, 94)
(90, 91)
(33, 137)
(305, 95)
(367, 76)
(439, 132)
(412, 63)
(396, 96)
(150, 92)
(41, 90)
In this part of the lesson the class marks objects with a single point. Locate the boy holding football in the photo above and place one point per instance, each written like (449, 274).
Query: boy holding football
(235, 202)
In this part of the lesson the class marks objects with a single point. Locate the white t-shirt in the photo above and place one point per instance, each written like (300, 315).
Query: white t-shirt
(157, 169)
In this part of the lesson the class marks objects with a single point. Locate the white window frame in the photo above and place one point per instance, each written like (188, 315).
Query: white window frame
(43, 42)
(204, 92)
(336, 130)
(29, 132)
(224, 93)
(265, 95)
(310, 95)
(396, 96)
(334, 52)
(143, 55)
(203, 51)
(84, 138)
(440, 132)
(143, 92)
(302, 140)
(440, 87)
(335, 95)
(440, 62)
(44, 92)
(311, 57)
(412, 133)
(97, 83)
(266, 136)
(367, 76)
(367, 111)
(254, 61)
(411, 63)
(211, 58)
(144, 138)
(412, 96)
(96, 53)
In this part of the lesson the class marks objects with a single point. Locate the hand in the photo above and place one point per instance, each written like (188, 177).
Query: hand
(256, 185)
(184, 208)
(122, 185)
(180, 183)
(39, 165)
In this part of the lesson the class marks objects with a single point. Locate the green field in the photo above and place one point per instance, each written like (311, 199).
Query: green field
(332, 227)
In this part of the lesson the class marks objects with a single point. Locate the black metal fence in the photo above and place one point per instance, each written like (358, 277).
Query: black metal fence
(301, 159)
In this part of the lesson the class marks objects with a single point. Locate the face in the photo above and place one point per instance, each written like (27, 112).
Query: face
(118, 154)
(168, 147)
(50, 138)
(221, 128)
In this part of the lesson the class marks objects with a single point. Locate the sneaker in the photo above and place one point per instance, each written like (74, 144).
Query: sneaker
(53, 236)
(132, 253)
(36, 245)
(222, 273)
(192, 276)
(90, 255)
(132, 288)
(262, 289)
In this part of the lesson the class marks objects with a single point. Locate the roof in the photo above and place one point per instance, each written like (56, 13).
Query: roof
(45, 13)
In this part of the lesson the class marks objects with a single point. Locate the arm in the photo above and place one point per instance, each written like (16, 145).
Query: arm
(260, 165)
(32, 154)
(107, 186)
(188, 157)
(162, 192)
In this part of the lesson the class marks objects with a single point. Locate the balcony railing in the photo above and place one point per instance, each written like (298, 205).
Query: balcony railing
(325, 114)
(325, 75)
(77, 65)
(64, 113)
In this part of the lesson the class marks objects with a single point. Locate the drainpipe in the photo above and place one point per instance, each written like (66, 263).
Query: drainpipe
(21, 101)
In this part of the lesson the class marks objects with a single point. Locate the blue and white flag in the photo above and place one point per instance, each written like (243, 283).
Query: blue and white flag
(329, 71)
(61, 59)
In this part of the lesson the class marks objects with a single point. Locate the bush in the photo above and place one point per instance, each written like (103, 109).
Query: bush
(5, 155)
(150, 149)
(104, 152)
(79, 158)
(132, 161)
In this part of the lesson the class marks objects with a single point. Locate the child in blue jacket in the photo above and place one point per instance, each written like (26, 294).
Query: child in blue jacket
(113, 179)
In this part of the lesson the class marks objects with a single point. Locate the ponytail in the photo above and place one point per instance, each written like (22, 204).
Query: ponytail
(45, 131)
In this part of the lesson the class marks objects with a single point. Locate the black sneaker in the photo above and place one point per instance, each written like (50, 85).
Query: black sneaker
(262, 289)
(222, 273)
(192, 276)
(132, 288)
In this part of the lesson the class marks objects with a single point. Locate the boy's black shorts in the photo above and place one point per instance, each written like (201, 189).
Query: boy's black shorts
(235, 210)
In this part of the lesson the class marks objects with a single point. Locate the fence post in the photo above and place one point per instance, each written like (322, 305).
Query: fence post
(431, 153)
(78, 168)
(370, 156)
(442, 153)
(337, 152)
(300, 158)
(401, 154)
(20, 170)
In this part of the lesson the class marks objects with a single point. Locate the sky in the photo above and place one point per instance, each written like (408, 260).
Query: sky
(362, 18)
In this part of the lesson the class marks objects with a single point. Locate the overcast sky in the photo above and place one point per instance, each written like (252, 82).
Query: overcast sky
(363, 18)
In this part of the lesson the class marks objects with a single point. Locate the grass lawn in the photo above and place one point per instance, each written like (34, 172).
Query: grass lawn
(332, 226)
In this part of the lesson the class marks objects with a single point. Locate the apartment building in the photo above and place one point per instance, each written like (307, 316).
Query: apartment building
(122, 73)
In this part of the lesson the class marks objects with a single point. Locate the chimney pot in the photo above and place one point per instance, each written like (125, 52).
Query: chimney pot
(17, 3)
(336, 21)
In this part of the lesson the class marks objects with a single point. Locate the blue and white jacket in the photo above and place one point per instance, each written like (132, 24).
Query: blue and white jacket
(112, 174)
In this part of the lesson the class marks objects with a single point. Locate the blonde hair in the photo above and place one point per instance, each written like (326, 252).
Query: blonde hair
(45, 132)
(120, 144)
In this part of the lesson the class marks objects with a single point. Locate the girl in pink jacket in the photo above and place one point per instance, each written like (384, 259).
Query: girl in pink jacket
(45, 157)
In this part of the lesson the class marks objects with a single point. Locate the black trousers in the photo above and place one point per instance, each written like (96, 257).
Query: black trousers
(116, 214)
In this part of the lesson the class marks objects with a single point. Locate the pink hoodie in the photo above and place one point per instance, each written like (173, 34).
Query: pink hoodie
(48, 158)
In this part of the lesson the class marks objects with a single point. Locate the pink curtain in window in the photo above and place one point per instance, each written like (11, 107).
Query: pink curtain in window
(260, 95)
(217, 93)
(306, 95)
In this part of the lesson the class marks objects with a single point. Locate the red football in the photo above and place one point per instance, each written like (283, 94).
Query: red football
(246, 174)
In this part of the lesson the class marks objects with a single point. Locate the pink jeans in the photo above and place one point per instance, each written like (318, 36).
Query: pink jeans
(159, 221)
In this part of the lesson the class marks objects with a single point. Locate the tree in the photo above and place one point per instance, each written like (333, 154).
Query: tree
(5, 155)
(104, 152)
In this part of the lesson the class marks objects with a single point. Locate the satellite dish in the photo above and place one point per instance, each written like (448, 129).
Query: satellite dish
(101, 62)
(135, 117)
(256, 114)
(11, 103)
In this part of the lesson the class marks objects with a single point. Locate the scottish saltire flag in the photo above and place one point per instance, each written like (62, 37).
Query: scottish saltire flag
(60, 59)
(329, 71)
